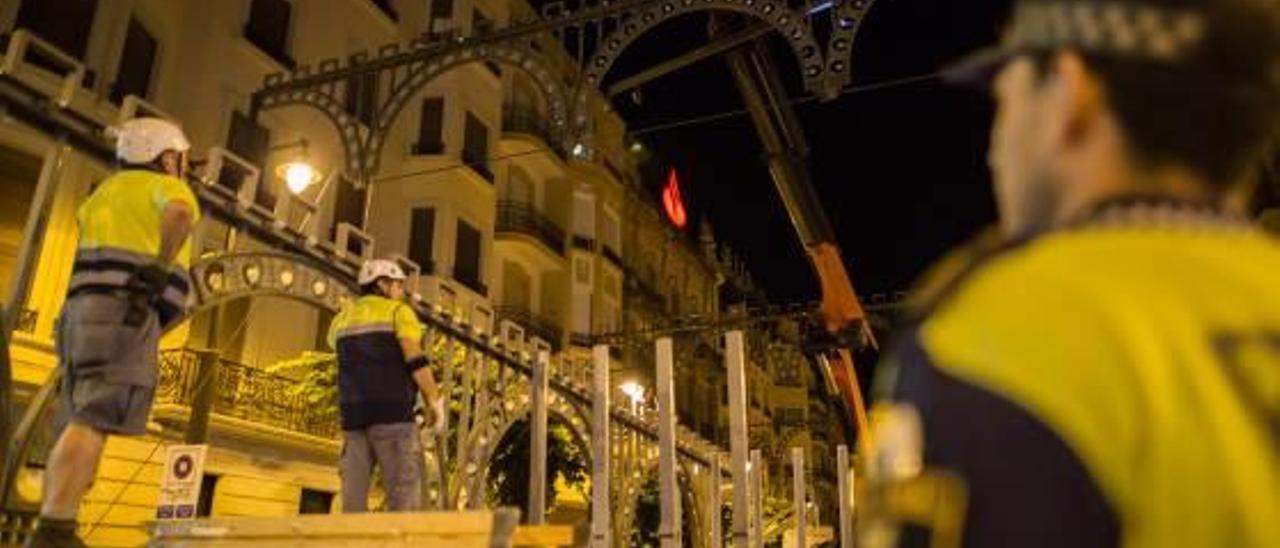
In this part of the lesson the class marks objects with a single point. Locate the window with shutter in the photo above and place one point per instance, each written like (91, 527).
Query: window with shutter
(268, 29)
(137, 62)
(422, 232)
(466, 264)
(475, 148)
(431, 127)
(250, 141)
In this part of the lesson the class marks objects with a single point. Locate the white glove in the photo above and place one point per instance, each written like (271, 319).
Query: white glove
(438, 423)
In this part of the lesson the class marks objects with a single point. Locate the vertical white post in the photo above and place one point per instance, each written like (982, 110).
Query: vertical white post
(600, 456)
(735, 362)
(844, 488)
(538, 443)
(669, 528)
(713, 500)
(797, 474)
(757, 498)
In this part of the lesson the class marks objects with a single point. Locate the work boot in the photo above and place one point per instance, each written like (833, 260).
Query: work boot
(54, 533)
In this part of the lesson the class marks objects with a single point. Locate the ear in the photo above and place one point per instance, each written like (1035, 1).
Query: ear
(1077, 96)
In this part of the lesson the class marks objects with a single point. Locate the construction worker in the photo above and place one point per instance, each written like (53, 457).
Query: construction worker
(1107, 374)
(129, 283)
(381, 369)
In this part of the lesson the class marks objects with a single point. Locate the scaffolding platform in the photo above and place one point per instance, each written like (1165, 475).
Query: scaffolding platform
(472, 529)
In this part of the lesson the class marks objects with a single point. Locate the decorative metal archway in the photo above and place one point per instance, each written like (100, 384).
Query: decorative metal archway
(408, 74)
(409, 68)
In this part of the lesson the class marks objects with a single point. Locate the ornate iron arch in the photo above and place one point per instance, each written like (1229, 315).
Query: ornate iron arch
(792, 24)
(481, 455)
(221, 278)
(363, 144)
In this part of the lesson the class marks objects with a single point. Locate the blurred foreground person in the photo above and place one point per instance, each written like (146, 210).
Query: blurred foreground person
(128, 285)
(1108, 372)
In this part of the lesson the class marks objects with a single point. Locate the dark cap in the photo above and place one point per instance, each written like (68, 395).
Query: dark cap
(1150, 32)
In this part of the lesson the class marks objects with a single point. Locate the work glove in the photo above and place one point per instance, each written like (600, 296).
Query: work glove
(437, 419)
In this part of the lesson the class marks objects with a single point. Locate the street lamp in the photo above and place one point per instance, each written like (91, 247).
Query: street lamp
(298, 173)
(635, 392)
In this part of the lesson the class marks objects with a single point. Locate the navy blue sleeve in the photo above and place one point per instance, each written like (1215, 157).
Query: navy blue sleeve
(1026, 486)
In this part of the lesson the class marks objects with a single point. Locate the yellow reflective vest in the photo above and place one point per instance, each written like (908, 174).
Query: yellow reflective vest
(1114, 383)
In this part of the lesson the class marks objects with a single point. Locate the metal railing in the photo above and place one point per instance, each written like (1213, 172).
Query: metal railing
(522, 218)
(522, 119)
(545, 328)
(246, 393)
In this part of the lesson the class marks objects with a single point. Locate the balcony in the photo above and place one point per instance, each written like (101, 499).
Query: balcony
(523, 219)
(535, 325)
(525, 120)
(245, 393)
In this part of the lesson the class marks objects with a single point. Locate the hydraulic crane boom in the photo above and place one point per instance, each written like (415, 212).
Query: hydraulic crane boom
(783, 140)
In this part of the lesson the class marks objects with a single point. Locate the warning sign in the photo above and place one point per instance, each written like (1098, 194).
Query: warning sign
(180, 486)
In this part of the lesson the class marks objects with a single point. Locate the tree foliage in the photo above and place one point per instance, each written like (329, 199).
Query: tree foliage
(509, 469)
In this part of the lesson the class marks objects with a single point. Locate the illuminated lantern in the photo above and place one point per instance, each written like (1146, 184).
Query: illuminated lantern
(673, 202)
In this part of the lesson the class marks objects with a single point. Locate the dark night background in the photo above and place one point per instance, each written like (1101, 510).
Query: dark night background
(901, 169)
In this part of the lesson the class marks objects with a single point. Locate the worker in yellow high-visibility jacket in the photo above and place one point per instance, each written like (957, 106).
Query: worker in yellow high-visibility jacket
(128, 285)
(1107, 374)
(381, 370)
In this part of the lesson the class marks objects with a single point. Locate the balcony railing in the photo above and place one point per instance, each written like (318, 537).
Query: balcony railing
(537, 325)
(522, 218)
(245, 393)
(520, 119)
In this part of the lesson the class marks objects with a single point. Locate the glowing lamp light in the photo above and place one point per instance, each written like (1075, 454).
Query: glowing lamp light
(298, 176)
(673, 202)
(634, 391)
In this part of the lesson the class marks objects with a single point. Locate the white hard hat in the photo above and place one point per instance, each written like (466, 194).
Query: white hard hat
(142, 140)
(379, 268)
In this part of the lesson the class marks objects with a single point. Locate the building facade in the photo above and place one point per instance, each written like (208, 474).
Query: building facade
(548, 245)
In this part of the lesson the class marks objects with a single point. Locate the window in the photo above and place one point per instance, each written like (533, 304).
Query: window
(64, 23)
(431, 127)
(610, 309)
(362, 98)
(386, 8)
(517, 187)
(475, 149)
(268, 29)
(314, 501)
(466, 265)
(422, 233)
(250, 141)
(137, 61)
(517, 286)
(612, 230)
(348, 207)
(584, 215)
(208, 485)
(441, 15)
(582, 276)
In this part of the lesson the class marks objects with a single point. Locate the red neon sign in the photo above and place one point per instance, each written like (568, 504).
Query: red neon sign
(673, 202)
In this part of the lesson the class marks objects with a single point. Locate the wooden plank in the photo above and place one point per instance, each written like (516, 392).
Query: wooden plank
(443, 529)
(543, 535)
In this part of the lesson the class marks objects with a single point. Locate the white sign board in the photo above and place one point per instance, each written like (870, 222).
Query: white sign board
(180, 485)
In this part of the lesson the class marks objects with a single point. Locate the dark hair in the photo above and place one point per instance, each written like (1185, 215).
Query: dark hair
(370, 288)
(1215, 114)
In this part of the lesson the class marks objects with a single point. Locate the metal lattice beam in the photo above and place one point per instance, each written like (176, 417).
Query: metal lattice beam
(410, 67)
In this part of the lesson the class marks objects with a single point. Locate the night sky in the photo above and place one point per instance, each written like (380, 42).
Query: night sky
(901, 169)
